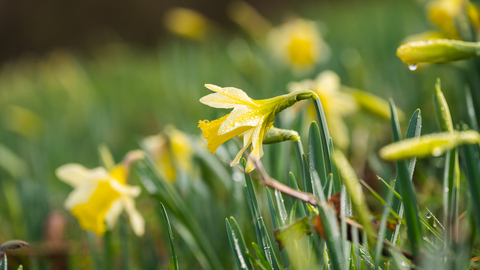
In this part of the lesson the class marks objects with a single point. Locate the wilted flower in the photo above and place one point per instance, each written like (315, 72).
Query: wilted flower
(100, 195)
(336, 104)
(187, 23)
(297, 43)
(252, 118)
(171, 150)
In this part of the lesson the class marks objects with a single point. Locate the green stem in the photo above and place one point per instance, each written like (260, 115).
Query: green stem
(93, 250)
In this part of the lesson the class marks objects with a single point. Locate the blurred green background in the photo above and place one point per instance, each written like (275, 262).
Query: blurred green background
(75, 75)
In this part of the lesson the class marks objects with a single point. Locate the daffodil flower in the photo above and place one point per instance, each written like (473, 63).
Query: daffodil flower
(100, 196)
(187, 23)
(336, 104)
(171, 150)
(250, 118)
(297, 43)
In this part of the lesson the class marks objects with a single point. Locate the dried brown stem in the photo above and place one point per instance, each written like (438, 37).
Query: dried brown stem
(270, 182)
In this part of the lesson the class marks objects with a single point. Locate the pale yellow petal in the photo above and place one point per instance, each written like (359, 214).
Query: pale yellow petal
(210, 132)
(247, 140)
(76, 174)
(240, 116)
(79, 195)
(338, 131)
(113, 213)
(136, 220)
(232, 93)
(257, 139)
(125, 190)
(217, 100)
(327, 82)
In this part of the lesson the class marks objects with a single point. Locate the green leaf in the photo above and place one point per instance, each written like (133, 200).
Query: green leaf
(470, 155)
(428, 145)
(382, 228)
(261, 230)
(293, 184)
(407, 192)
(265, 264)
(325, 134)
(238, 245)
(471, 109)
(168, 228)
(299, 154)
(316, 158)
(332, 234)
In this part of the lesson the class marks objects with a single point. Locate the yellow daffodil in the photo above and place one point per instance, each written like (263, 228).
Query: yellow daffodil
(100, 196)
(443, 14)
(336, 104)
(171, 150)
(448, 15)
(187, 23)
(250, 118)
(297, 43)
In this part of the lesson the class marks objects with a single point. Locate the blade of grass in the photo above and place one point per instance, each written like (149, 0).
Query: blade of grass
(172, 200)
(325, 134)
(332, 233)
(261, 230)
(293, 184)
(381, 230)
(406, 189)
(470, 155)
(471, 109)
(168, 228)
(316, 158)
(299, 154)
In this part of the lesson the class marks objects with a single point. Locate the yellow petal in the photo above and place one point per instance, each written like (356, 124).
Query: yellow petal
(240, 116)
(113, 213)
(217, 100)
(247, 140)
(76, 174)
(233, 93)
(210, 132)
(91, 215)
(136, 220)
(257, 139)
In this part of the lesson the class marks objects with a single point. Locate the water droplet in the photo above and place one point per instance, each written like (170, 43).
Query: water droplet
(447, 189)
(412, 67)
(404, 264)
(429, 215)
(434, 224)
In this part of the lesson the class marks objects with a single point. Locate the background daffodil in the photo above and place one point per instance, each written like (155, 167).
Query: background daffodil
(336, 104)
(298, 43)
(100, 196)
(250, 118)
(171, 150)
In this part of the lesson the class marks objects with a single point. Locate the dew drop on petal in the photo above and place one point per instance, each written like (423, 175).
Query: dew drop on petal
(413, 67)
